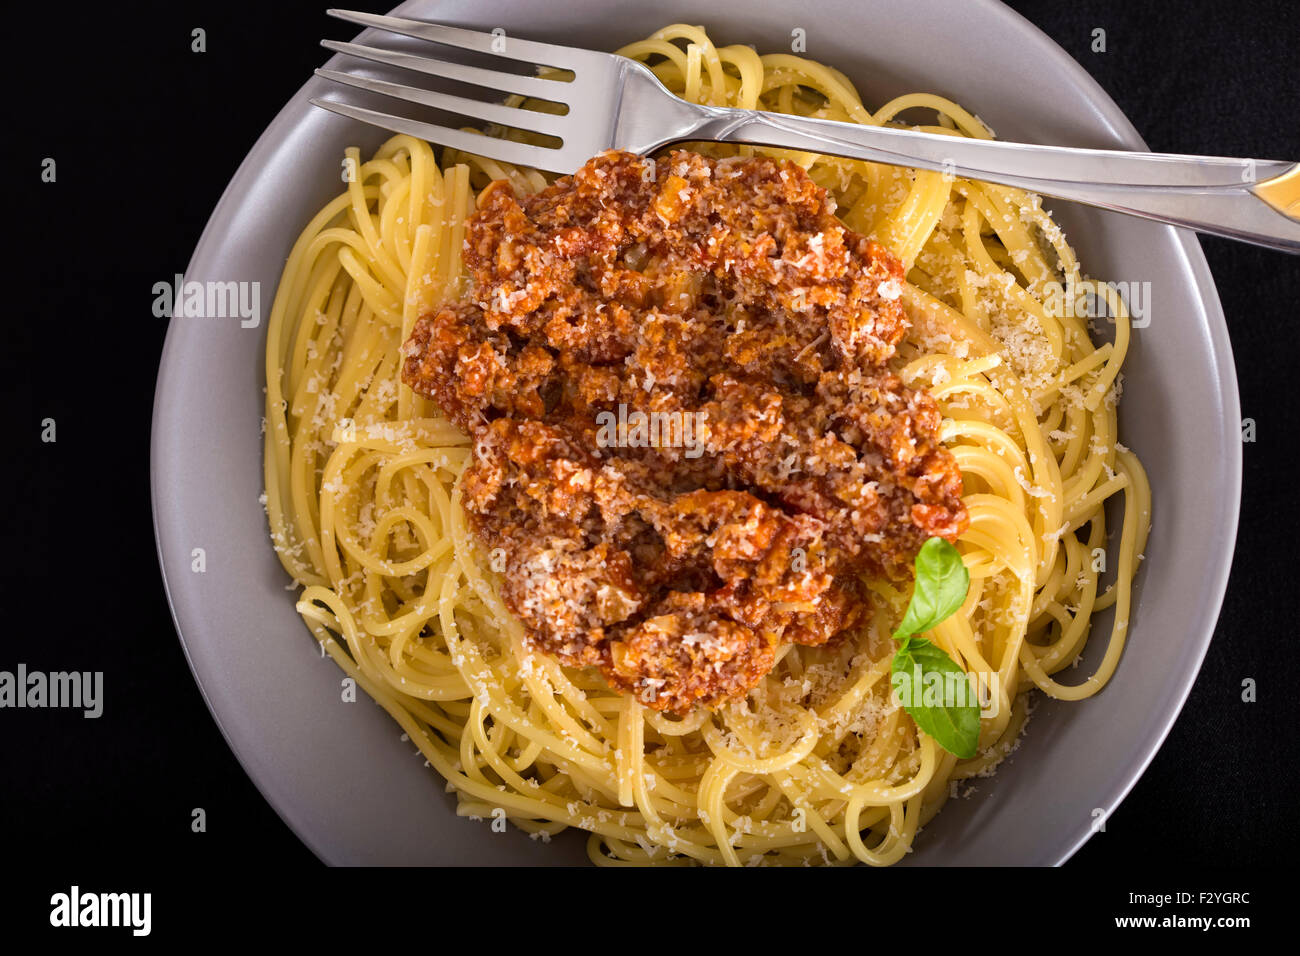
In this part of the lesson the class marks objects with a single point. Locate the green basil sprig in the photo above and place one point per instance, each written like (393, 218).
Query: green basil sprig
(921, 670)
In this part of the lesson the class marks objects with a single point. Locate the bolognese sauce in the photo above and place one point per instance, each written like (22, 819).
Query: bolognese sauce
(722, 297)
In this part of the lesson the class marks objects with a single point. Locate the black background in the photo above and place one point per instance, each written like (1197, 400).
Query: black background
(146, 134)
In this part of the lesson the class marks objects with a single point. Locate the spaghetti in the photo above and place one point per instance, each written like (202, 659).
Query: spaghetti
(819, 763)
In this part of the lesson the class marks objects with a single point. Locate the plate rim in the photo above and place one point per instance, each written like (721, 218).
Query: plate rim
(1184, 243)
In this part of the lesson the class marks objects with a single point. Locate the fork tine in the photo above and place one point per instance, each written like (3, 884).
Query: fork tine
(503, 150)
(498, 44)
(491, 112)
(475, 76)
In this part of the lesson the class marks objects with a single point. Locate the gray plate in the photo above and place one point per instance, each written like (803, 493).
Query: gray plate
(338, 773)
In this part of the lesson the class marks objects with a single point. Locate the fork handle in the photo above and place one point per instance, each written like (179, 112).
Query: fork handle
(1252, 200)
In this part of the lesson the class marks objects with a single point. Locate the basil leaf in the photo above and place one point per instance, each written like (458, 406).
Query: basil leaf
(937, 694)
(940, 587)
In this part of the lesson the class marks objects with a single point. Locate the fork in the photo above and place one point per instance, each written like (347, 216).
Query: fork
(617, 103)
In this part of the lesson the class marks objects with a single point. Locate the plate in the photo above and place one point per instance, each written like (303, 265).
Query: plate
(339, 774)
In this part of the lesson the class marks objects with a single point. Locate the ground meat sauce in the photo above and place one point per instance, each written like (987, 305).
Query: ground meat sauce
(723, 300)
